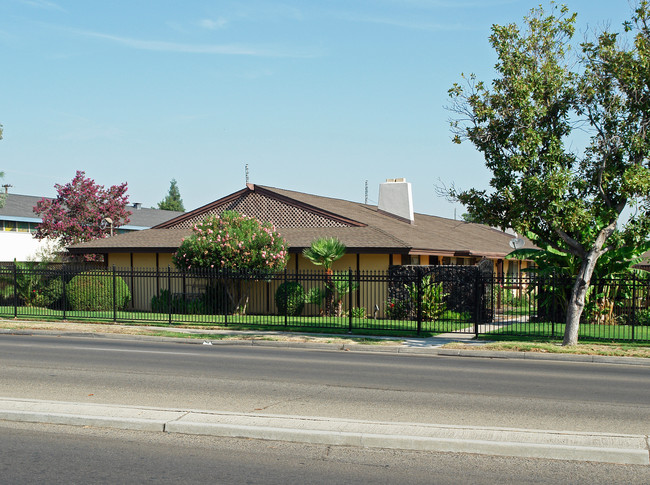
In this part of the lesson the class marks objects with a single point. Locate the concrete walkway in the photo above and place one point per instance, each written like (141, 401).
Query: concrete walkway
(561, 445)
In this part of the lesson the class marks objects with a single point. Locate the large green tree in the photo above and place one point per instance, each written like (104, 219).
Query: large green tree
(2, 195)
(173, 200)
(530, 123)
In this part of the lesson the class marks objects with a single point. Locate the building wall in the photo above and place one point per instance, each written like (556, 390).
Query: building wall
(144, 260)
(264, 291)
(20, 246)
(373, 262)
(119, 260)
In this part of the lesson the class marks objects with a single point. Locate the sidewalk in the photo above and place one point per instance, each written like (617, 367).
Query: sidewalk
(560, 445)
(405, 345)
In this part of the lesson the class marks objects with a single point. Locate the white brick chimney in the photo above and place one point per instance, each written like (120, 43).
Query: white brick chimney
(396, 199)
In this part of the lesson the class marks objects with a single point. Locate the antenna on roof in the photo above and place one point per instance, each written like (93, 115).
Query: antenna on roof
(6, 186)
(366, 202)
(246, 174)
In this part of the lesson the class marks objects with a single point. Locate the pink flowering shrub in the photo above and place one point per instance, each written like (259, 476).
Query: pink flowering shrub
(234, 242)
(76, 214)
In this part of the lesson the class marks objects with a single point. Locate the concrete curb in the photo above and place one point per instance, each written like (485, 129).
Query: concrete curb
(397, 349)
(601, 447)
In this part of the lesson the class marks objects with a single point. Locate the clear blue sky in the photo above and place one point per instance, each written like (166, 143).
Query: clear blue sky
(315, 96)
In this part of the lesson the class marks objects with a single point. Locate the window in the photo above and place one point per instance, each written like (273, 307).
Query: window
(22, 226)
(415, 260)
(10, 226)
(513, 269)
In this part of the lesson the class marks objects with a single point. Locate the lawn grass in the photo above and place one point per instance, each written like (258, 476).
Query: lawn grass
(307, 324)
(612, 349)
(450, 322)
(587, 332)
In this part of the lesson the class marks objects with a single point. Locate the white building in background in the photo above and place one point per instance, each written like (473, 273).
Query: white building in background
(18, 224)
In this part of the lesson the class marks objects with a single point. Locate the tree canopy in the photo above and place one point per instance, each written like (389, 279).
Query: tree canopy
(173, 200)
(324, 251)
(2, 195)
(233, 242)
(77, 212)
(529, 123)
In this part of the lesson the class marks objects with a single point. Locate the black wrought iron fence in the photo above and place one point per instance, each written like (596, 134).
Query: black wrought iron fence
(409, 299)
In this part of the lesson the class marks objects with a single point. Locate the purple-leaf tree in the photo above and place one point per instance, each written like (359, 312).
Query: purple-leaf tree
(77, 212)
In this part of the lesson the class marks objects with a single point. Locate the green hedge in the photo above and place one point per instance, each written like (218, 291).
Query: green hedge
(93, 291)
(290, 298)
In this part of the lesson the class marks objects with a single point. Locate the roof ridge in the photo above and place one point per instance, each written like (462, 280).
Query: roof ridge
(267, 187)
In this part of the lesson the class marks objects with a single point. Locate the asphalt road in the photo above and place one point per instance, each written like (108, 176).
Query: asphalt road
(58, 454)
(432, 389)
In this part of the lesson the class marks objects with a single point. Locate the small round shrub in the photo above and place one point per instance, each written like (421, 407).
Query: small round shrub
(290, 298)
(396, 309)
(642, 318)
(93, 291)
(50, 293)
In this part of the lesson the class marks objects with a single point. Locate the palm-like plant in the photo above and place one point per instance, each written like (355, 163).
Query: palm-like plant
(323, 252)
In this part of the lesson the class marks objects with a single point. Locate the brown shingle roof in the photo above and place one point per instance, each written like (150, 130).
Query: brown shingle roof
(362, 228)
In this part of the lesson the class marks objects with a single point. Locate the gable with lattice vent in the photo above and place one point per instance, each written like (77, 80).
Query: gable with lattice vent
(267, 209)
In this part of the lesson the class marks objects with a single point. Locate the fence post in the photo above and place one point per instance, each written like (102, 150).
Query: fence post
(169, 292)
(286, 299)
(15, 290)
(185, 284)
(633, 304)
(114, 295)
(349, 300)
(554, 290)
(65, 298)
(225, 302)
(477, 301)
(419, 302)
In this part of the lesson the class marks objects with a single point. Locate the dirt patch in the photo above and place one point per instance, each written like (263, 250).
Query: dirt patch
(615, 350)
(185, 332)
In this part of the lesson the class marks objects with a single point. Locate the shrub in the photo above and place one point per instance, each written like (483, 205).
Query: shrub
(49, 294)
(179, 305)
(290, 298)
(396, 309)
(358, 312)
(234, 242)
(642, 317)
(93, 291)
(431, 298)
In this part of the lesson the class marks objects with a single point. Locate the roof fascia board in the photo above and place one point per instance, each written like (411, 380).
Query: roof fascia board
(105, 250)
(20, 219)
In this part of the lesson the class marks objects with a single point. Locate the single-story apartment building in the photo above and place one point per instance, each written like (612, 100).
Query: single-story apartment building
(376, 236)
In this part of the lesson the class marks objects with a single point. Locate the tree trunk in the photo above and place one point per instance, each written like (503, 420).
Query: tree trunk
(578, 295)
(329, 293)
